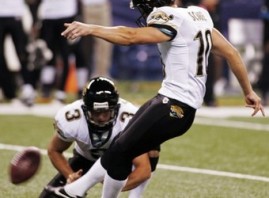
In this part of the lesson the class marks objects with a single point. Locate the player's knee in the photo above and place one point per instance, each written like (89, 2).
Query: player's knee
(120, 168)
(117, 163)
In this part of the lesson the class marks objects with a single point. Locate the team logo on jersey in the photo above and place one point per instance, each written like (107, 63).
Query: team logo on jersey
(160, 17)
(176, 111)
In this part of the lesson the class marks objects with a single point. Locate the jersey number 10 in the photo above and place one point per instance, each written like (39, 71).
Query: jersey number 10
(205, 44)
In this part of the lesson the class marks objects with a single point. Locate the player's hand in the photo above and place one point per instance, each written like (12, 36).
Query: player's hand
(75, 29)
(74, 176)
(254, 101)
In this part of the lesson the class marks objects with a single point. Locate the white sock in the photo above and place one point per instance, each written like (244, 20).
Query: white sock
(138, 191)
(112, 187)
(95, 175)
(47, 75)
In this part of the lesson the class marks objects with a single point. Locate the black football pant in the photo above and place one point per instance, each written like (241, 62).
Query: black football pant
(51, 33)
(157, 121)
(13, 27)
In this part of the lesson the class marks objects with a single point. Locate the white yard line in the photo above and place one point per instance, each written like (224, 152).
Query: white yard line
(167, 167)
(212, 172)
(231, 124)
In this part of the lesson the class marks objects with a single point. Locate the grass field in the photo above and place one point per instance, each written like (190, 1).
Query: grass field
(225, 161)
(225, 149)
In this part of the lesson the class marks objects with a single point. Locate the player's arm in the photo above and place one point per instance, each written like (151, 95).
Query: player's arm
(141, 172)
(55, 152)
(121, 35)
(225, 49)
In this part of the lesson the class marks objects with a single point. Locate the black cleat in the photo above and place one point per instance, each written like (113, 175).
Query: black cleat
(59, 192)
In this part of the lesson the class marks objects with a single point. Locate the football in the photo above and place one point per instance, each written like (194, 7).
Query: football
(24, 165)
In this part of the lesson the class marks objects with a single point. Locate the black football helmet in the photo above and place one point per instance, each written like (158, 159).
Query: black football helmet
(145, 7)
(100, 95)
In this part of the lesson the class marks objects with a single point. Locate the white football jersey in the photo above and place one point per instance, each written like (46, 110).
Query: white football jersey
(185, 57)
(72, 127)
(12, 8)
(57, 9)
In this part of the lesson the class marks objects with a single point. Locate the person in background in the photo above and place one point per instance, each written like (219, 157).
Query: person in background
(93, 122)
(64, 53)
(11, 15)
(39, 53)
(80, 55)
(50, 17)
(185, 37)
(98, 12)
(263, 83)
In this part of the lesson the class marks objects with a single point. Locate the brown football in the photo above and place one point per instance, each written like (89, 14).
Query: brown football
(24, 165)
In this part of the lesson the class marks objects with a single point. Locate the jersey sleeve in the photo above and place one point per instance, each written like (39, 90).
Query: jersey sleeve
(64, 126)
(59, 124)
(163, 19)
(127, 111)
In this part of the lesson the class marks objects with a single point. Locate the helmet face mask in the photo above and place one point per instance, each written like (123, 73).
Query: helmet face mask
(104, 124)
(100, 98)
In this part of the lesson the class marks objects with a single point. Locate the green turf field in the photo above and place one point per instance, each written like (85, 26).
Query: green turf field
(208, 161)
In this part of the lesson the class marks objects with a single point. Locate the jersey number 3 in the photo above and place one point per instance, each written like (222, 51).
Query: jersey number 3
(205, 44)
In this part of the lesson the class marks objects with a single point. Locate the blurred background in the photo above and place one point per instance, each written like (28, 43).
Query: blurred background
(243, 23)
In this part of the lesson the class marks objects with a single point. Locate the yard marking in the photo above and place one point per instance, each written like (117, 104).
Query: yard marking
(231, 124)
(212, 172)
(166, 167)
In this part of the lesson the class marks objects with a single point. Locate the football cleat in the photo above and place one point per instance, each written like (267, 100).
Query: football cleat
(59, 192)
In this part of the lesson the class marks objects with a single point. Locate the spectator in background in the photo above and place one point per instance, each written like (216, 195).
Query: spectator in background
(79, 55)
(39, 54)
(98, 12)
(52, 14)
(11, 14)
(263, 83)
(214, 62)
(73, 54)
